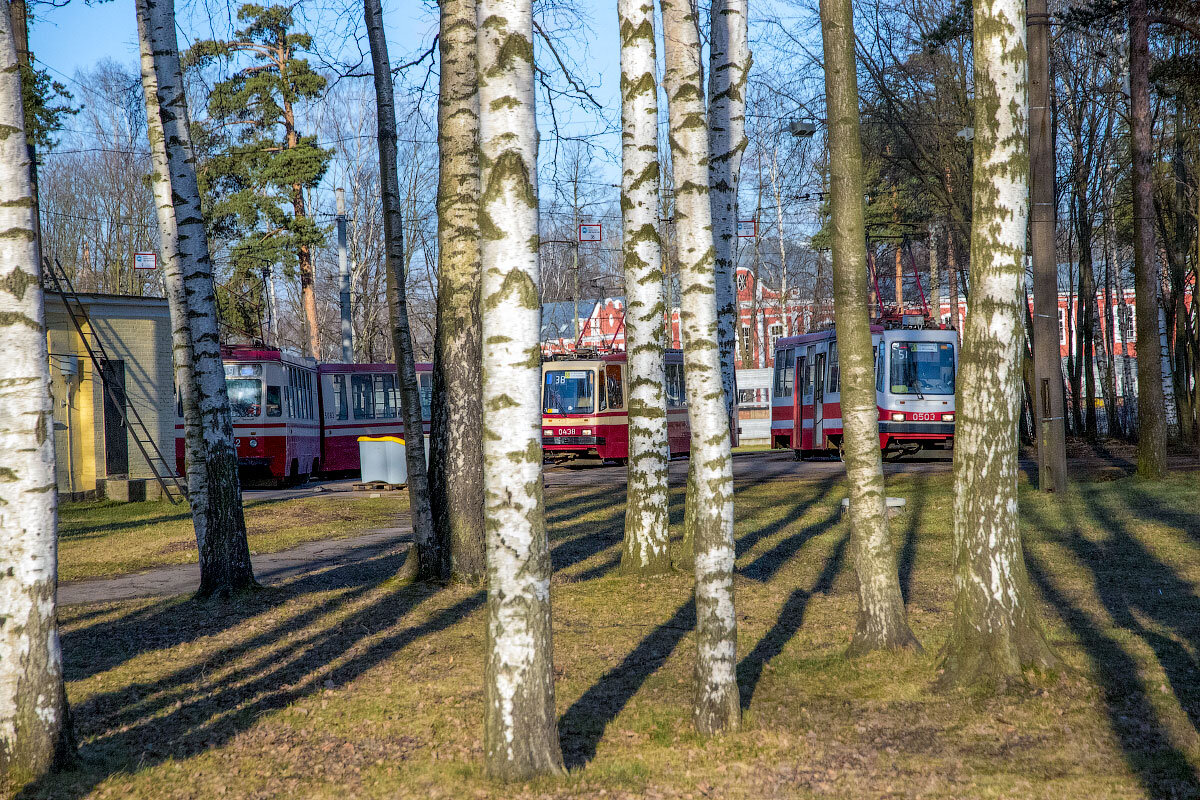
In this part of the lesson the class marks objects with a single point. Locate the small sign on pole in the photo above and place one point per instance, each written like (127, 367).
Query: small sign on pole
(747, 228)
(589, 231)
(145, 261)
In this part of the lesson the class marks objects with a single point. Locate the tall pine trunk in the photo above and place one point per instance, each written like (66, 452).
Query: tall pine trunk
(520, 729)
(996, 632)
(35, 727)
(1152, 411)
(647, 542)
(882, 622)
(456, 460)
(1085, 316)
(428, 559)
(210, 458)
(729, 69)
(708, 516)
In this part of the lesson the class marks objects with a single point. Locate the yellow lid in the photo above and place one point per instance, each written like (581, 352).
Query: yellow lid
(381, 439)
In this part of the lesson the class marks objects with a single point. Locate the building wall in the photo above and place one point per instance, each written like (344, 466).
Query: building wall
(135, 330)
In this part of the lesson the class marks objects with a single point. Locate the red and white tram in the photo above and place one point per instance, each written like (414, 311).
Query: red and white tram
(915, 369)
(585, 406)
(274, 403)
(363, 400)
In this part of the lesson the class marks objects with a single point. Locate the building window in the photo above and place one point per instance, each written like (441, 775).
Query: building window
(1062, 327)
(743, 281)
(776, 333)
(746, 341)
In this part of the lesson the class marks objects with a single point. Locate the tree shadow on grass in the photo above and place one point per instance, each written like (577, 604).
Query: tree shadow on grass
(791, 617)
(1161, 768)
(763, 568)
(582, 725)
(797, 510)
(185, 712)
(917, 500)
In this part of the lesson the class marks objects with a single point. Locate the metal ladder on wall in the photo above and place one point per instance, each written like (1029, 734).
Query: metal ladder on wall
(172, 487)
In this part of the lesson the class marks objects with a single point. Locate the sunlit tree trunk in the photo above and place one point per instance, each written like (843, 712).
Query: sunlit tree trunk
(729, 69)
(428, 559)
(520, 729)
(646, 536)
(882, 622)
(1152, 411)
(456, 461)
(708, 516)
(996, 632)
(35, 728)
(211, 460)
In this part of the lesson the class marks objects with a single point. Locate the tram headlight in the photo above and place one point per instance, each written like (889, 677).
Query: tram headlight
(948, 417)
(253, 443)
(897, 416)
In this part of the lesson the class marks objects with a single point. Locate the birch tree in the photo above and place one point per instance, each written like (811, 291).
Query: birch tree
(456, 463)
(647, 542)
(428, 559)
(35, 729)
(214, 492)
(882, 622)
(729, 69)
(520, 730)
(996, 632)
(708, 514)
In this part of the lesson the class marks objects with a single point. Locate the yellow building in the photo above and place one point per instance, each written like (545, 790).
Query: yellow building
(96, 452)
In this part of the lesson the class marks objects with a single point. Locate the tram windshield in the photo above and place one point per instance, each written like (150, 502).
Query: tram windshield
(922, 368)
(569, 391)
(245, 396)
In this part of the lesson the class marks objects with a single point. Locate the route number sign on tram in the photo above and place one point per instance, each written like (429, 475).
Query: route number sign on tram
(589, 232)
(747, 228)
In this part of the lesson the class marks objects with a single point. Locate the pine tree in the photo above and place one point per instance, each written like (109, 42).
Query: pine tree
(520, 729)
(996, 633)
(255, 182)
(708, 515)
(456, 430)
(35, 727)
(428, 559)
(214, 493)
(647, 541)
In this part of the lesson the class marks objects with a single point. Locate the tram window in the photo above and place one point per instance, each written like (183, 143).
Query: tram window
(340, 408)
(569, 391)
(425, 380)
(245, 396)
(274, 405)
(785, 372)
(613, 383)
(922, 368)
(806, 375)
(675, 387)
(879, 369)
(835, 370)
(385, 396)
(363, 391)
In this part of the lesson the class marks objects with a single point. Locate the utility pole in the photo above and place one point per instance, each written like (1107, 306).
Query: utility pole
(269, 302)
(344, 280)
(1047, 367)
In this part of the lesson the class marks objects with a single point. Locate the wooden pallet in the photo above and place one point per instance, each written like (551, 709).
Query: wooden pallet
(379, 486)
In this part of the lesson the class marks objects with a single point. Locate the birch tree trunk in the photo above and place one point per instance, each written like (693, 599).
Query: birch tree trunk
(1152, 412)
(882, 622)
(729, 69)
(456, 463)
(214, 492)
(427, 560)
(647, 543)
(708, 516)
(35, 728)
(996, 633)
(520, 729)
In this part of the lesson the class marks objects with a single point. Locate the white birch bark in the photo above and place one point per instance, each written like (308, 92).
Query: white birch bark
(428, 559)
(34, 724)
(882, 623)
(647, 543)
(214, 492)
(996, 631)
(729, 69)
(520, 727)
(708, 516)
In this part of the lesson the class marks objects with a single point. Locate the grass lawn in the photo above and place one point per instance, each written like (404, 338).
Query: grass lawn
(344, 684)
(102, 539)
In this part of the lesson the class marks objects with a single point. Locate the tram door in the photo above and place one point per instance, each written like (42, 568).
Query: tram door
(819, 404)
(798, 405)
